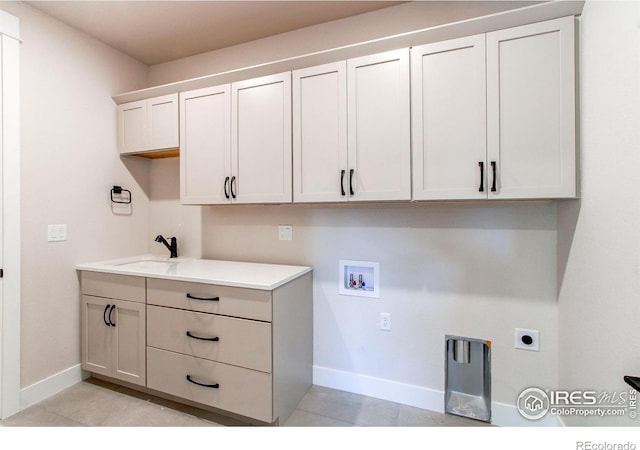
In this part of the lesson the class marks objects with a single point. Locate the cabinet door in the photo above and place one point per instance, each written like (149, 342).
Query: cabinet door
(320, 133)
(449, 119)
(162, 119)
(96, 335)
(132, 119)
(129, 342)
(378, 107)
(261, 139)
(531, 110)
(205, 146)
(113, 338)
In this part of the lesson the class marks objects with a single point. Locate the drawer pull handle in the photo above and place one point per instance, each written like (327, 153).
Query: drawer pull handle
(111, 312)
(493, 184)
(210, 299)
(104, 315)
(212, 386)
(212, 339)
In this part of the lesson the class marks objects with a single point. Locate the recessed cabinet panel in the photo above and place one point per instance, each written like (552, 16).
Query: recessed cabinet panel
(205, 148)
(235, 389)
(210, 298)
(261, 139)
(320, 133)
(531, 109)
(132, 125)
(122, 287)
(241, 342)
(129, 328)
(449, 119)
(379, 126)
(163, 121)
(96, 337)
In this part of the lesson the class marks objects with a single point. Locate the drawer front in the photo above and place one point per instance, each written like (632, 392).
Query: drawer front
(241, 391)
(236, 302)
(121, 287)
(241, 342)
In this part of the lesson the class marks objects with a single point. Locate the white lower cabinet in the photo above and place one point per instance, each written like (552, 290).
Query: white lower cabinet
(113, 330)
(244, 351)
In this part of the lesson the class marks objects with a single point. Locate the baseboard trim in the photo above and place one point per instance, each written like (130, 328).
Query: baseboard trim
(503, 415)
(44, 389)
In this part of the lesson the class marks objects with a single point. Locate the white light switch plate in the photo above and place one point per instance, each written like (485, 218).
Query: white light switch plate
(56, 233)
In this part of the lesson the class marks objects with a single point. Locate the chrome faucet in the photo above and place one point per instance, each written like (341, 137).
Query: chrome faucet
(173, 247)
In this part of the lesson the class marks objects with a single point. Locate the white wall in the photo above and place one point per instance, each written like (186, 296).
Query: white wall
(167, 216)
(477, 270)
(599, 243)
(382, 23)
(69, 163)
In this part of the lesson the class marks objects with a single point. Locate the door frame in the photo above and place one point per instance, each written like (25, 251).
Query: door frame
(10, 215)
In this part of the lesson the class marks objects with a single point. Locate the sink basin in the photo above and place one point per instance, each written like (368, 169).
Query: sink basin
(149, 263)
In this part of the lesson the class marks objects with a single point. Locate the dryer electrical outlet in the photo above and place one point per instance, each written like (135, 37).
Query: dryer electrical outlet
(527, 339)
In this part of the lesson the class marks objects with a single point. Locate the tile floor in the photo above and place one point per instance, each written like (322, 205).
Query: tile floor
(95, 403)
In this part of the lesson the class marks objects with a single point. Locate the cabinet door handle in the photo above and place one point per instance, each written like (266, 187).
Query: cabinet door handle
(481, 188)
(342, 173)
(212, 386)
(208, 299)
(104, 315)
(233, 194)
(226, 186)
(111, 312)
(211, 339)
(351, 182)
(493, 183)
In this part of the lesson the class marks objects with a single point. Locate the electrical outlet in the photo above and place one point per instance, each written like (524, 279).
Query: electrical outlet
(527, 339)
(285, 232)
(385, 321)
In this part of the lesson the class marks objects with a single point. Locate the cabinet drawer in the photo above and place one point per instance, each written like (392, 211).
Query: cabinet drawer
(236, 302)
(241, 391)
(241, 342)
(121, 287)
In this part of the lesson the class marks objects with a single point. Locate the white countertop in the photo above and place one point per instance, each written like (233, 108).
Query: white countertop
(225, 273)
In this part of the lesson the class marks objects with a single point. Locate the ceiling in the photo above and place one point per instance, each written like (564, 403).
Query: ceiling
(154, 32)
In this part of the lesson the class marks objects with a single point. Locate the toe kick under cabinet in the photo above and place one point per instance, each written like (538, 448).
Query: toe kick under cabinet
(232, 349)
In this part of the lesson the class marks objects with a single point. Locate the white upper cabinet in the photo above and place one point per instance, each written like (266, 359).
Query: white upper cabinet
(320, 133)
(148, 125)
(261, 140)
(379, 130)
(449, 119)
(531, 110)
(494, 115)
(205, 146)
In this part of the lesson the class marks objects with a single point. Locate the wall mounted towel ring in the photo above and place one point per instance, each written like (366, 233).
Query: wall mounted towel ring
(122, 193)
